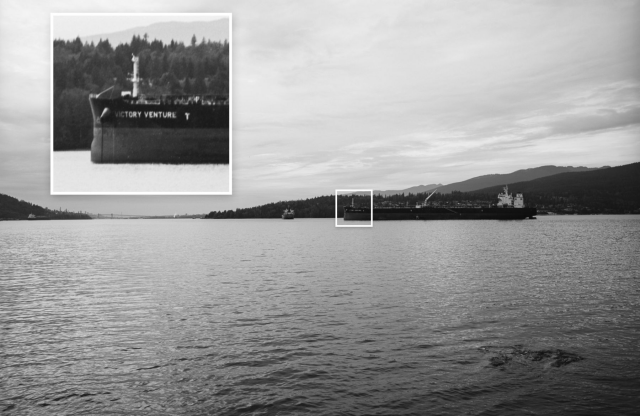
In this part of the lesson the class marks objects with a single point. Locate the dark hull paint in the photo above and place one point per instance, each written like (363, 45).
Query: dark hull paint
(380, 214)
(159, 133)
(131, 145)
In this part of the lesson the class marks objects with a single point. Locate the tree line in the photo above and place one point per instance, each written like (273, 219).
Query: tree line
(80, 69)
(318, 207)
(587, 199)
(13, 209)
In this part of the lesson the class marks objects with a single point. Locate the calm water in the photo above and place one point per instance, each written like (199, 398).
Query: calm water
(272, 317)
(73, 172)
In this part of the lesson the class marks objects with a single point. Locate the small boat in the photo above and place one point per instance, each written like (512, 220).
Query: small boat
(287, 214)
(32, 217)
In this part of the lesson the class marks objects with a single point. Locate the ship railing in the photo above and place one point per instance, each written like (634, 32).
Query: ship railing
(209, 100)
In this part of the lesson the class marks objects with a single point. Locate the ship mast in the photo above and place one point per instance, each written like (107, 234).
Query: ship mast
(136, 75)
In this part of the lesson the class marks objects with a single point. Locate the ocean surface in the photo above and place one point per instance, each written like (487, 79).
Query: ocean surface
(272, 317)
(73, 172)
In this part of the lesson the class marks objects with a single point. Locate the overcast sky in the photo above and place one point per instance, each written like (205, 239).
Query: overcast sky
(367, 94)
(72, 26)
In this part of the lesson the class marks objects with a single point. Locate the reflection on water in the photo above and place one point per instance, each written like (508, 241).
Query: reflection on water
(73, 172)
(299, 317)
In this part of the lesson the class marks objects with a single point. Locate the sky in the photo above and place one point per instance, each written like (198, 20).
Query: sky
(70, 26)
(366, 94)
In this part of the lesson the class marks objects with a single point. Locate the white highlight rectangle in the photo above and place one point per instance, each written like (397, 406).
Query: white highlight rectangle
(336, 208)
(220, 185)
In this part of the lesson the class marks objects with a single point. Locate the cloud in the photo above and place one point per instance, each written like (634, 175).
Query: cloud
(601, 120)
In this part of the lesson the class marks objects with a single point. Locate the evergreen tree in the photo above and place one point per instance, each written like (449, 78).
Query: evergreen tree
(187, 86)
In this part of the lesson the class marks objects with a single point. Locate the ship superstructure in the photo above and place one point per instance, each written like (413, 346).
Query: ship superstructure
(506, 200)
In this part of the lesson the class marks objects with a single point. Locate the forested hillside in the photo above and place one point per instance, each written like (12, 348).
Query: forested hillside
(80, 69)
(14, 209)
(609, 190)
(603, 191)
(318, 207)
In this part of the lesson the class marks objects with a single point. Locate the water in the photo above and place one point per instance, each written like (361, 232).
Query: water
(267, 317)
(73, 172)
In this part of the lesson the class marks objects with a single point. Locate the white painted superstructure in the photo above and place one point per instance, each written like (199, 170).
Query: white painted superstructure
(518, 201)
(135, 79)
(506, 200)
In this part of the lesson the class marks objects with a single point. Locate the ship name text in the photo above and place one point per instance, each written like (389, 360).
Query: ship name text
(147, 114)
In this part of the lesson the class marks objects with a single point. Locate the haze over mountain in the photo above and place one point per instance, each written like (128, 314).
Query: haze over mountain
(217, 31)
(486, 181)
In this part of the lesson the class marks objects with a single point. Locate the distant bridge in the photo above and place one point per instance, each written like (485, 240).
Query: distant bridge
(139, 216)
(116, 216)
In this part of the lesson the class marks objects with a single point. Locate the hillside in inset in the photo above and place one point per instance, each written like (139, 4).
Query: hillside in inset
(215, 31)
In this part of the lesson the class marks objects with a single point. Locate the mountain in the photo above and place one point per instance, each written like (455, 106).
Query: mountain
(623, 179)
(616, 188)
(521, 175)
(216, 30)
(413, 190)
(13, 209)
(583, 191)
(486, 181)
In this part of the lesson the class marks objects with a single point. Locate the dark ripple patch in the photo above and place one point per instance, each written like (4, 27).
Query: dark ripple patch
(270, 407)
(252, 363)
(195, 347)
(148, 368)
(424, 346)
(517, 353)
(62, 398)
(316, 337)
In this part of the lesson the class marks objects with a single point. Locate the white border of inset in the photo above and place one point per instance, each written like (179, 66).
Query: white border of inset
(51, 34)
(336, 208)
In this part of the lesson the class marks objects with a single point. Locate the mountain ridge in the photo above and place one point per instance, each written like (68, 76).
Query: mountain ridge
(623, 179)
(215, 31)
(493, 179)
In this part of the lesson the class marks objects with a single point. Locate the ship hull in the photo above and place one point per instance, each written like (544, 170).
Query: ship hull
(429, 213)
(125, 132)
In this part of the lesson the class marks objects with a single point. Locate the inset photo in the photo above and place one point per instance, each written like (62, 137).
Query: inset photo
(141, 104)
(354, 208)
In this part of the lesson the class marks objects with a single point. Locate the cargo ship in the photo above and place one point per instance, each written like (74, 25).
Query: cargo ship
(287, 214)
(135, 128)
(507, 208)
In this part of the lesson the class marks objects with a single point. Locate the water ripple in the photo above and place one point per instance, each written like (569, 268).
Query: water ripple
(248, 317)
